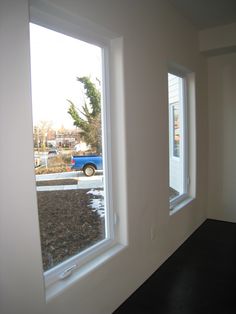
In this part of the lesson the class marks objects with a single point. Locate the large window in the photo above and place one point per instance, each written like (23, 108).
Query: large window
(178, 139)
(71, 150)
(78, 128)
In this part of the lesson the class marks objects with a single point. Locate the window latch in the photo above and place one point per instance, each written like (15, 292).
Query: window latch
(68, 271)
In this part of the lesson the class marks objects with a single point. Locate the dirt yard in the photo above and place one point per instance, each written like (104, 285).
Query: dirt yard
(68, 224)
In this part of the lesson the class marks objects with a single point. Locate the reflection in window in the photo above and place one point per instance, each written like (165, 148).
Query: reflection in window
(68, 151)
(176, 136)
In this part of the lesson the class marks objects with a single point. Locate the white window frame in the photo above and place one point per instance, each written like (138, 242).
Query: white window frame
(187, 131)
(51, 17)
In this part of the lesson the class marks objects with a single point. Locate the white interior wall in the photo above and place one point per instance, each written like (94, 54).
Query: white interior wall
(222, 142)
(154, 34)
(218, 40)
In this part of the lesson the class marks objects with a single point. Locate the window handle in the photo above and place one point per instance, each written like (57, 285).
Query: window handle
(67, 272)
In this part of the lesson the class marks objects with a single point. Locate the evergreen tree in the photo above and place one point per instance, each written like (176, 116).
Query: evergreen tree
(89, 117)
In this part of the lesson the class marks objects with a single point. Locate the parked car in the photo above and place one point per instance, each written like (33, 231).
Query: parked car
(88, 164)
(53, 152)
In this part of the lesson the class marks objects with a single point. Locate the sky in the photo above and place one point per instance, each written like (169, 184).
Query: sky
(56, 61)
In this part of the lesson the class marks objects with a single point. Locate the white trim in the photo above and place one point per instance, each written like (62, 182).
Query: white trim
(53, 275)
(186, 143)
(106, 143)
(178, 70)
(192, 137)
(179, 205)
(62, 21)
(56, 289)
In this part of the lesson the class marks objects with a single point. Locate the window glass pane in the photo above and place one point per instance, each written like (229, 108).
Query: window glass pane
(176, 136)
(67, 127)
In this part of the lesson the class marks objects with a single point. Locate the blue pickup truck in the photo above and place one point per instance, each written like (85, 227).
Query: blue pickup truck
(88, 164)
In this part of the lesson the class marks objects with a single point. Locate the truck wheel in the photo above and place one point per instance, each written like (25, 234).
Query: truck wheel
(89, 170)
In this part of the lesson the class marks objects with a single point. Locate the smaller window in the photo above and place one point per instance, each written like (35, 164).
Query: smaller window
(178, 143)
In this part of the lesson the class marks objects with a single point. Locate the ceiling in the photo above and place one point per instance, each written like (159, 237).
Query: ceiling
(207, 13)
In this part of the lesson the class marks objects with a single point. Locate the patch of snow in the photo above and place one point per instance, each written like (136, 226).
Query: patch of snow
(97, 203)
(96, 192)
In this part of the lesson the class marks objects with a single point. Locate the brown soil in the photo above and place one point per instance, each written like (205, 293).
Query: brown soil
(67, 224)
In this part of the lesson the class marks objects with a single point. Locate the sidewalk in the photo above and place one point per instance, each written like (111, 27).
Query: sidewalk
(93, 182)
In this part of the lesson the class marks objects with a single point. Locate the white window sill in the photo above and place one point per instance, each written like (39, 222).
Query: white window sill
(59, 286)
(180, 205)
